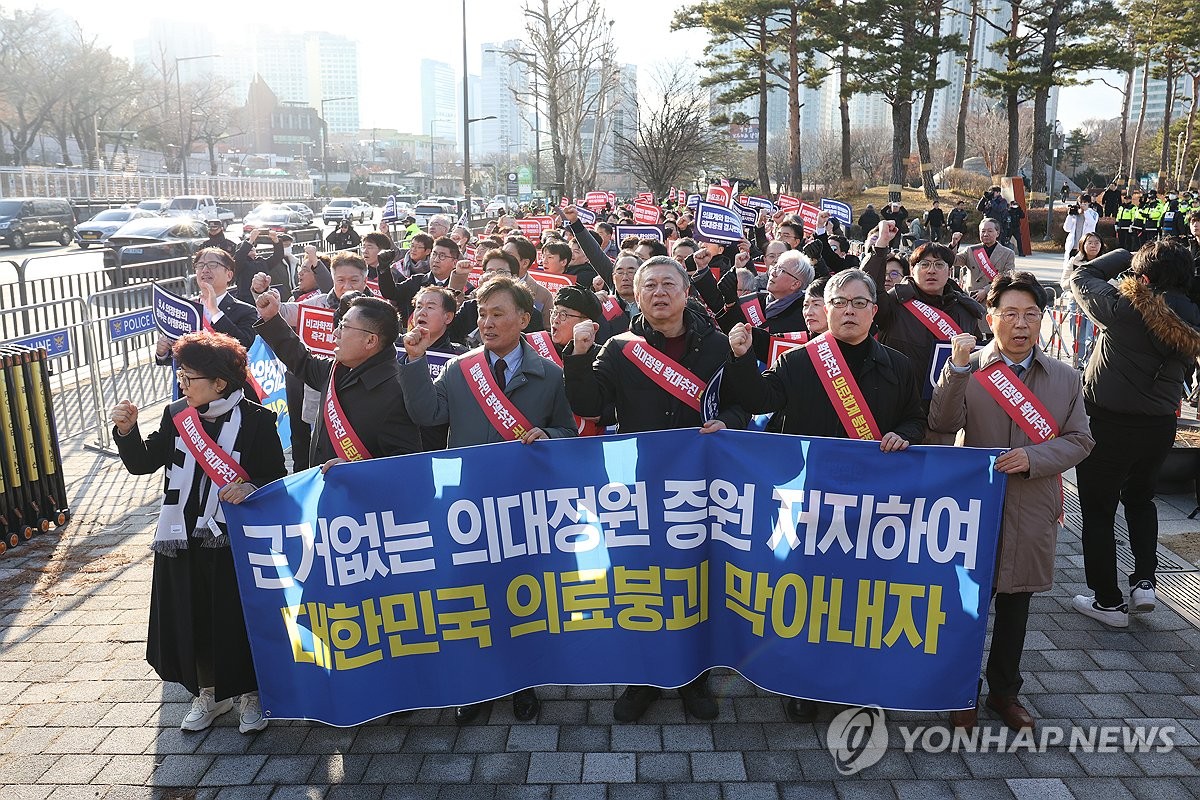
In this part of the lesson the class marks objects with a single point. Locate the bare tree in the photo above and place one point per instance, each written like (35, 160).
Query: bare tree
(674, 139)
(32, 77)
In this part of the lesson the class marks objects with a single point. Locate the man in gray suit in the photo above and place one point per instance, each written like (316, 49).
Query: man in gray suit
(973, 279)
(503, 391)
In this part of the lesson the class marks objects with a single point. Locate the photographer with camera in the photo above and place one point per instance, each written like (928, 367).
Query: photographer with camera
(1082, 218)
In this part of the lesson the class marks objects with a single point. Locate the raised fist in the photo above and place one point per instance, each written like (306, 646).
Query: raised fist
(124, 416)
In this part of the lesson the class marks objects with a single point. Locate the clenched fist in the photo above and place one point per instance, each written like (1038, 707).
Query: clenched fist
(740, 339)
(268, 304)
(961, 346)
(124, 416)
(584, 335)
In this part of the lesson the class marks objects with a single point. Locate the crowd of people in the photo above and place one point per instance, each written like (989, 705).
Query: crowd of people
(933, 341)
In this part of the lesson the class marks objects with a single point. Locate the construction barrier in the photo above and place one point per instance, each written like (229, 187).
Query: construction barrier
(33, 492)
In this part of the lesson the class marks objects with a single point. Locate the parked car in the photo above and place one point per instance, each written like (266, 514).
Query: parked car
(350, 208)
(364, 207)
(427, 209)
(497, 207)
(301, 209)
(279, 218)
(97, 229)
(226, 215)
(154, 206)
(155, 239)
(24, 220)
(198, 206)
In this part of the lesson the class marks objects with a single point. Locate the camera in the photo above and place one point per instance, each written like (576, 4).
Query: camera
(1073, 208)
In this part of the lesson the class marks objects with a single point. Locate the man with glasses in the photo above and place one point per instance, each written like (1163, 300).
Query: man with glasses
(434, 309)
(224, 312)
(1041, 442)
(778, 310)
(921, 313)
(800, 392)
(362, 410)
(976, 272)
(442, 259)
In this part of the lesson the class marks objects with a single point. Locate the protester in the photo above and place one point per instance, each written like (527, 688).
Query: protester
(379, 253)
(442, 259)
(415, 259)
(222, 311)
(978, 266)
(250, 261)
(1038, 451)
(434, 309)
(362, 414)
(197, 635)
(778, 309)
(609, 377)
(1132, 386)
(816, 316)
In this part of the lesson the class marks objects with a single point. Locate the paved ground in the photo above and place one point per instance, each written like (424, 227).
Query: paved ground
(82, 715)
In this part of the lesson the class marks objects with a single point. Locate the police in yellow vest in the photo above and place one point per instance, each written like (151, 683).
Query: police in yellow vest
(1152, 211)
(1124, 222)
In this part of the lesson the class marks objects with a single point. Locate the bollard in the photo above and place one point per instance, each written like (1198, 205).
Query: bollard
(19, 499)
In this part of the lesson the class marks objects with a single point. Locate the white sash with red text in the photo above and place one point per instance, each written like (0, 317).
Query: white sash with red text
(847, 399)
(499, 410)
(941, 326)
(671, 376)
(346, 443)
(216, 462)
(1015, 400)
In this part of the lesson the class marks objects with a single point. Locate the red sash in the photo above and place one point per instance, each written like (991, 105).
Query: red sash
(983, 262)
(1015, 399)
(752, 310)
(218, 465)
(345, 440)
(940, 325)
(544, 345)
(844, 394)
(499, 410)
(611, 308)
(671, 376)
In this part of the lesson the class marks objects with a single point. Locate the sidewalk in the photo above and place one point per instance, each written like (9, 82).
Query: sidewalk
(82, 714)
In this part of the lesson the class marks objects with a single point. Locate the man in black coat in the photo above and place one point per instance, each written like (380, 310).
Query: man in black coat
(442, 260)
(224, 312)
(867, 220)
(217, 237)
(250, 262)
(778, 309)
(600, 379)
(364, 374)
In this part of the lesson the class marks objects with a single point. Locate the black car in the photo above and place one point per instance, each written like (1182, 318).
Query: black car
(36, 219)
(163, 244)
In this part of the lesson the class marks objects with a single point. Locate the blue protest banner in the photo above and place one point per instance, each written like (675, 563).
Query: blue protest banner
(586, 215)
(640, 231)
(125, 326)
(838, 210)
(389, 210)
(693, 201)
(749, 215)
(57, 343)
(817, 568)
(269, 372)
(716, 223)
(761, 204)
(173, 315)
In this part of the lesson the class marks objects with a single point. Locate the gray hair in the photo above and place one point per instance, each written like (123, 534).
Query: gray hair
(840, 279)
(444, 219)
(661, 261)
(798, 264)
(746, 280)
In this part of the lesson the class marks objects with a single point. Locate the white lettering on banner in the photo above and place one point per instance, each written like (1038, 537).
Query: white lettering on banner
(887, 529)
(945, 326)
(1016, 398)
(697, 510)
(210, 456)
(270, 374)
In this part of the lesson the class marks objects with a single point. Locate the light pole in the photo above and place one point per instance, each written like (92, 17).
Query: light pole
(325, 137)
(432, 165)
(1055, 133)
(184, 149)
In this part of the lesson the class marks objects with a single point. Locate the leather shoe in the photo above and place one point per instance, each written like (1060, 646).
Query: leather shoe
(800, 710)
(634, 701)
(465, 715)
(965, 719)
(697, 700)
(1011, 712)
(526, 705)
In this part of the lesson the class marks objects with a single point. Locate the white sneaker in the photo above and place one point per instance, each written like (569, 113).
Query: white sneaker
(250, 714)
(1116, 617)
(205, 709)
(1142, 598)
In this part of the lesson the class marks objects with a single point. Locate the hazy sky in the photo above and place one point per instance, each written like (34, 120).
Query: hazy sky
(394, 37)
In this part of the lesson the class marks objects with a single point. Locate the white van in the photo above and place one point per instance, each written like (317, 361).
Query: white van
(197, 206)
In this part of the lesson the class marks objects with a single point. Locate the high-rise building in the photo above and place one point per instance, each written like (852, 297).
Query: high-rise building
(333, 72)
(1156, 98)
(506, 92)
(440, 101)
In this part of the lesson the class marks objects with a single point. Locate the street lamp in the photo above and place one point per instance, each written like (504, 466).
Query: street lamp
(183, 143)
(1055, 134)
(325, 136)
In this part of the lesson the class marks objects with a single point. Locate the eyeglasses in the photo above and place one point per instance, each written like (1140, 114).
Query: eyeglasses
(774, 270)
(895, 273)
(855, 302)
(436, 256)
(557, 314)
(185, 380)
(1030, 317)
(933, 266)
(209, 264)
(341, 326)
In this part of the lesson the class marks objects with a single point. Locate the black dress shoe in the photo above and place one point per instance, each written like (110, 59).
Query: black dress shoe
(465, 715)
(800, 710)
(634, 701)
(697, 700)
(526, 705)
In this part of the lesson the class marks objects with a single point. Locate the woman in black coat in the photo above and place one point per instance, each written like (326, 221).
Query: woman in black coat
(197, 634)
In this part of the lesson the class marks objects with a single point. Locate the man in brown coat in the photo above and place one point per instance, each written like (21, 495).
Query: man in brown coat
(1044, 442)
(971, 277)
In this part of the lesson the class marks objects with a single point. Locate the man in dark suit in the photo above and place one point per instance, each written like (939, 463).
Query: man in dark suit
(224, 312)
